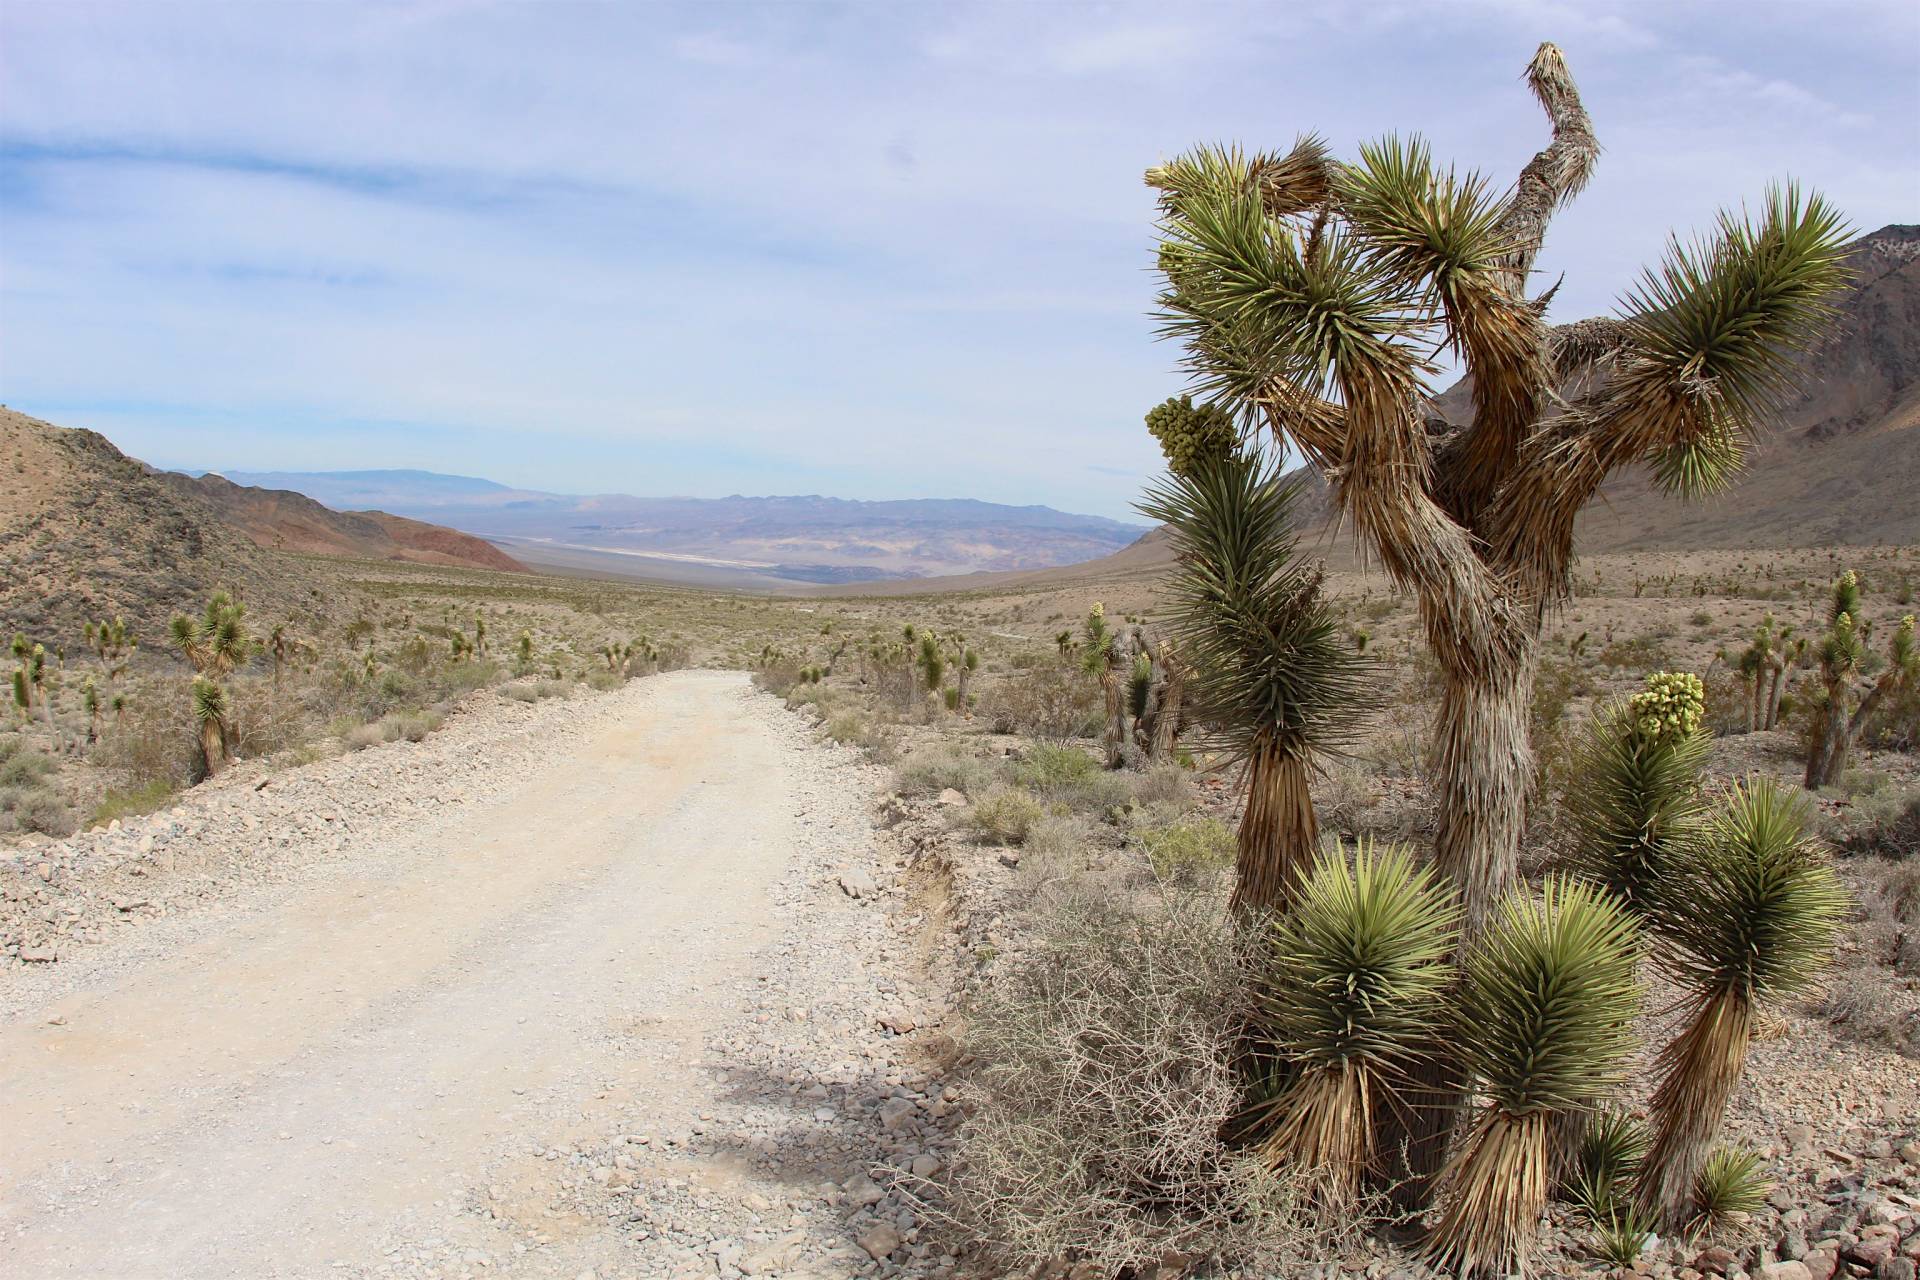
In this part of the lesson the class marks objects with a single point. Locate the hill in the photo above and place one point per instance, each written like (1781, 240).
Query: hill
(87, 532)
(746, 542)
(289, 521)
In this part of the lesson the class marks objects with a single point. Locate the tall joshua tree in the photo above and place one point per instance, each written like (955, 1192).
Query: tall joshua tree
(1843, 652)
(1270, 677)
(215, 643)
(1310, 295)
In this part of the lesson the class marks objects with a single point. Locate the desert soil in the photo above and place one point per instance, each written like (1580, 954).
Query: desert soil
(616, 986)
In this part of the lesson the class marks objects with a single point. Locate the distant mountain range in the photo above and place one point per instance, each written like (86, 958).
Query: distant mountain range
(733, 541)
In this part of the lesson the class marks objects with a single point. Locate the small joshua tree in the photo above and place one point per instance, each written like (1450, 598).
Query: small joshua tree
(1104, 658)
(1845, 709)
(113, 644)
(523, 652)
(1544, 1021)
(210, 714)
(25, 682)
(1270, 678)
(1636, 804)
(1749, 916)
(90, 701)
(1351, 989)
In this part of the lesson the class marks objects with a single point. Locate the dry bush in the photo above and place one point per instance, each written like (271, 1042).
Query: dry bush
(932, 770)
(1189, 852)
(1164, 787)
(1004, 814)
(1102, 1078)
(520, 692)
(157, 740)
(1343, 796)
(28, 799)
(1055, 702)
(779, 678)
(1884, 822)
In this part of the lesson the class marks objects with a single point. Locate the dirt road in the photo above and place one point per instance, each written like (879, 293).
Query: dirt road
(396, 1063)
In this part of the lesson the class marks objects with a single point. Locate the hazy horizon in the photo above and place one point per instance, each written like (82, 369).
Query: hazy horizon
(872, 252)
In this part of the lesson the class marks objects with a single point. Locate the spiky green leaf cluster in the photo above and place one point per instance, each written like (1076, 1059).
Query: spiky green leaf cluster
(1356, 970)
(1606, 1163)
(1731, 1185)
(1548, 996)
(1191, 436)
(1636, 805)
(209, 701)
(1268, 664)
(1755, 908)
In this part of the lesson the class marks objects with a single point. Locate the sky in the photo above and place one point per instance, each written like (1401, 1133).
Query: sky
(870, 251)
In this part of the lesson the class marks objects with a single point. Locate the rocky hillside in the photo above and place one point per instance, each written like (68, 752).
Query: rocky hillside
(288, 521)
(87, 532)
(1841, 464)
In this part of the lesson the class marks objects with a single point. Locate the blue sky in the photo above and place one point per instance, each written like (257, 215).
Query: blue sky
(877, 251)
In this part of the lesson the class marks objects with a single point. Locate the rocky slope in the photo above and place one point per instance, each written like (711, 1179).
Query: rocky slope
(87, 532)
(289, 521)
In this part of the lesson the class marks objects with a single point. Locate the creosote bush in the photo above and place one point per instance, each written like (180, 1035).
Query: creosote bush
(1104, 1078)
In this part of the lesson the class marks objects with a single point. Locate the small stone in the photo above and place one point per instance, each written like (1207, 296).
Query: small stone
(879, 1240)
(42, 953)
(856, 883)
(953, 800)
(1785, 1271)
(1821, 1264)
(926, 1166)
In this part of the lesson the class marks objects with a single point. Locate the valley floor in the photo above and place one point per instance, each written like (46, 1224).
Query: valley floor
(577, 991)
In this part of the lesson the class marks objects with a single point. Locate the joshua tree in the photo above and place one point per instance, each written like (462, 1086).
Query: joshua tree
(210, 713)
(1843, 651)
(1545, 1012)
(1159, 713)
(25, 679)
(113, 644)
(90, 700)
(523, 651)
(1750, 916)
(1310, 295)
(215, 644)
(1270, 678)
(1350, 992)
(1636, 807)
(933, 663)
(1104, 658)
(479, 635)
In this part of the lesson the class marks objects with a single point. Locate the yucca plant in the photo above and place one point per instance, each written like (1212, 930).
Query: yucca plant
(1543, 1018)
(1270, 679)
(218, 641)
(210, 714)
(1350, 992)
(1103, 658)
(1750, 917)
(1730, 1188)
(1311, 296)
(1621, 1234)
(1605, 1163)
(1635, 802)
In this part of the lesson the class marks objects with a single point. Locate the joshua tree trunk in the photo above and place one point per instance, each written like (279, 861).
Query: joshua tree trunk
(213, 745)
(1699, 1073)
(1166, 715)
(1277, 833)
(1483, 768)
(1828, 759)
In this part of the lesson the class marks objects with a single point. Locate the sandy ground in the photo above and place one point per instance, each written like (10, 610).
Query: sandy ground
(289, 1089)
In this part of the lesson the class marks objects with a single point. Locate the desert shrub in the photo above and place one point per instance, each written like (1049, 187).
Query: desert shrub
(777, 678)
(1103, 1076)
(1165, 787)
(1005, 814)
(1189, 851)
(519, 692)
(1055, 701)
(1056, 841)
(1636, 655)
(131, 802)
(395, 725)
(1887, 914)
(1865, 1004)
(602, 680)
(1728, 702)
(40, 809)
(362, 736)
(1343, 796)
(1884, 823)
(158, 740)
(552, 688)
(1045, 767)
(937, 769)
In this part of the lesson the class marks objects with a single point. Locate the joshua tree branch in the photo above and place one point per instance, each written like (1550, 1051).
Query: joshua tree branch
(1555, 175)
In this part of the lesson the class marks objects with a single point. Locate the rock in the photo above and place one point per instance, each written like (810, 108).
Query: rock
(39, 953)
(1895, 1268)
(856, 883)
(952, 799)
(1821, 1264)
(1714, 1260)
(879, 1240)
(863, 1191)
(1785, 1271)
(895, 1112)
(926, 1166)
